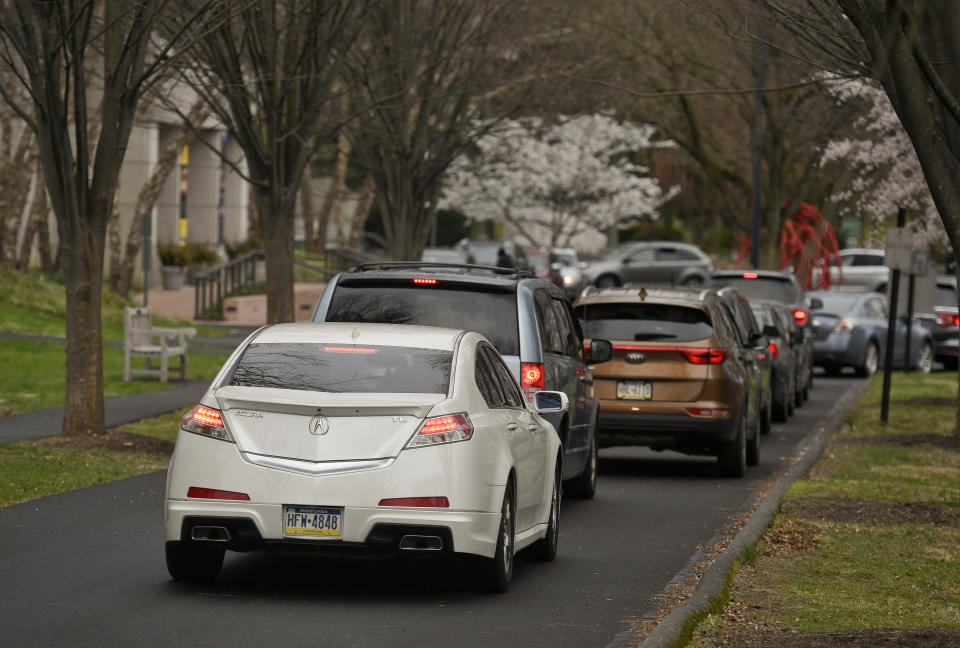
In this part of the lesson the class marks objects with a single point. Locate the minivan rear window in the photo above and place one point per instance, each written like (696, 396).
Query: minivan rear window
(344, 368)
(630, 321)
(493, 314)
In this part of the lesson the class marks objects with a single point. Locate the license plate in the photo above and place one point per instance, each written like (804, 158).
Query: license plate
(312, 521)
(635, 389)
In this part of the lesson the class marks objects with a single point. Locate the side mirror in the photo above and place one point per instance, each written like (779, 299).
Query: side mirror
(759, 341)
(772, 331)
(599, 351)
(548, 402)
(816, 303)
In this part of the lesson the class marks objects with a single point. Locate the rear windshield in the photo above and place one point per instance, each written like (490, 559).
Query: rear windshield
(644, 322)
(494, 315)
(781, 290)
(344, 368)
(946, 296)
(838, 303)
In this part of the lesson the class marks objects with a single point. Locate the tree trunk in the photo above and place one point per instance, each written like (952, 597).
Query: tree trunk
(361, 211)
(306, 208)
(277, 234)
(113, 237)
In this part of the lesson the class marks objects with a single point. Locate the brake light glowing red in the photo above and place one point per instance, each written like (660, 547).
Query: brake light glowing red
(774, 349)
(214, 493)
(440, 424)
(948, 319)
(800, 315)
(442, 429)
(432, 502)
(207, 416)
(531, 375)
(750, 275)
(421, 281)
(703, 356)
(346, 349)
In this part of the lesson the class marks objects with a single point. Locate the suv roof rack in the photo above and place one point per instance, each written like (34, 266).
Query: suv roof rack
(466, 267)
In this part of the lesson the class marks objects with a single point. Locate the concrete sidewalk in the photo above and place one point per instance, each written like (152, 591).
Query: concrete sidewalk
(246, 310)
(120, 410)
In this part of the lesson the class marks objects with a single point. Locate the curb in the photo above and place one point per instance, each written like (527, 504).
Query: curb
(714, 582)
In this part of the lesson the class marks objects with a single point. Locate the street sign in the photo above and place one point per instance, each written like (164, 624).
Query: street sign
(899, 250)
(919, 261)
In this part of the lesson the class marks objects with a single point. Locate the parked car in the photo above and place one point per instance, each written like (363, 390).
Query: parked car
(571, 271)
(377, 437)
(544, 264)
(852, 332)
(947, 326)
(679, 378)
(651, 262)
(484, 252)
(779, 286)
(784, 372)
(528, 320)
(858, 267)
(760, 361)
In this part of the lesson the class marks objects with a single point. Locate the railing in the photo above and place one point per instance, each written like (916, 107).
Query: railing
(212, 287)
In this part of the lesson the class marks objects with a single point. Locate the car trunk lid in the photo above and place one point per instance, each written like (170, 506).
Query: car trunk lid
(671, 375)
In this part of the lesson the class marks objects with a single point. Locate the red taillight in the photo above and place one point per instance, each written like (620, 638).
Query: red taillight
(420, 281)
(346, 349)
(442, 429)
(800, 315)
(704, 356)
(750, 275)
(205, 421)
(213, 493)
(708, 412)
(433, 502)
(948, 319)
(531, 378)
(774, 349)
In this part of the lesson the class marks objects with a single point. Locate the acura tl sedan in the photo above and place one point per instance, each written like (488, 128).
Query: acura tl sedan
(379, 438)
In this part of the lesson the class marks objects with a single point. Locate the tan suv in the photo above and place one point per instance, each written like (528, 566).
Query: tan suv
(679, 377)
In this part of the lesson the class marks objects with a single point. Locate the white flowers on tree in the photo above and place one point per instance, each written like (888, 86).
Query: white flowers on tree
(562, 184)
(887, 173)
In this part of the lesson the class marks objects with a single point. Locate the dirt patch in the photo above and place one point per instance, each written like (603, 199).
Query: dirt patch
(865, 511)
(875, 638)
(787, 537)
(905, 440)
(113, 440)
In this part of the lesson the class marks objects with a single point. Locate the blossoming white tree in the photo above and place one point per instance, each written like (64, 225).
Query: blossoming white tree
(886, 174)
(557, 184)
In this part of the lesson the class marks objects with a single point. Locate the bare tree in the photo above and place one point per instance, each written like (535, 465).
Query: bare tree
(418, 74)
(265, 72)
(63, 54)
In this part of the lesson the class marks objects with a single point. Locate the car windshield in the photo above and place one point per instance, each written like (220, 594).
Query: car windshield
(776, 288)
(837, 303)
(344, 368)
(566, 259)
(493, 314)
(633, 321)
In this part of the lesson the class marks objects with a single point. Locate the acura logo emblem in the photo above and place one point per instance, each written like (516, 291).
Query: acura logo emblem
(635, 357)
(318, 426)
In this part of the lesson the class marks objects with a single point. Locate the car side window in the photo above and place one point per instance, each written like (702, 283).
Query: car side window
(875, 308)
(547, 323)
(738, 331)
(674, 254)
(487, 382)
(568, 333)
(642, 256)
(508, 384)
(727, 327)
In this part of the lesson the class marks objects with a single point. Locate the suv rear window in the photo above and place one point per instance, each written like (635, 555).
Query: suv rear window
(630, 321)
(493, 314)
(782, 290)
(335, 368)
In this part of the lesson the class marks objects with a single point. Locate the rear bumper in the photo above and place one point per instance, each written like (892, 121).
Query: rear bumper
(666, 431)
(837, 350)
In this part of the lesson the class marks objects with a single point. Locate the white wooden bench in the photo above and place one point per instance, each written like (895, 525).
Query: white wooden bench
(143, 340)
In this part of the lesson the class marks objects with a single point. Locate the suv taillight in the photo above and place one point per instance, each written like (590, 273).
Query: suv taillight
(206, 421)
(948, 319)
(800, 315)
(531, 378)
(774, 349)
(704, 356)
(442, 429)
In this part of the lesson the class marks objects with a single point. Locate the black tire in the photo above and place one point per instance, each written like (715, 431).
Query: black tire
(870, 361)
(798, 398)
(779, 411)
(545, 549)
(766, 421)
(753, 447)
(584, 485)
(949, 363)
(496, 573)
(193, 563)
(791, 408)
(607, 281)
(732, 457)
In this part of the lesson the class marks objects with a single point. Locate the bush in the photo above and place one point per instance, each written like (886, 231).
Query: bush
(253, 242)
(189, 254)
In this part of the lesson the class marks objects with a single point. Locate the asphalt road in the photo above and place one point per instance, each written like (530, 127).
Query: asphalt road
(86, 568)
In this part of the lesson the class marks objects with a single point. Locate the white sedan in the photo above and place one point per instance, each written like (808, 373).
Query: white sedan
(376, 437)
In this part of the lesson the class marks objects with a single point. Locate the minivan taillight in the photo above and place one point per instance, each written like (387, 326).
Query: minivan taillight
(442, 429)
(704, 356)
(531, 378)
(206, 421)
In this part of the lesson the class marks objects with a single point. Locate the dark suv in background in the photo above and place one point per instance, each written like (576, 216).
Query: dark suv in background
(528, 320)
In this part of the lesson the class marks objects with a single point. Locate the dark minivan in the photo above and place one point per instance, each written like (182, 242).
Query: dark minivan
(528, 320)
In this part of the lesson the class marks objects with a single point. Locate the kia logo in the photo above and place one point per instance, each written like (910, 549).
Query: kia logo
(635, 358)
(318, 426)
